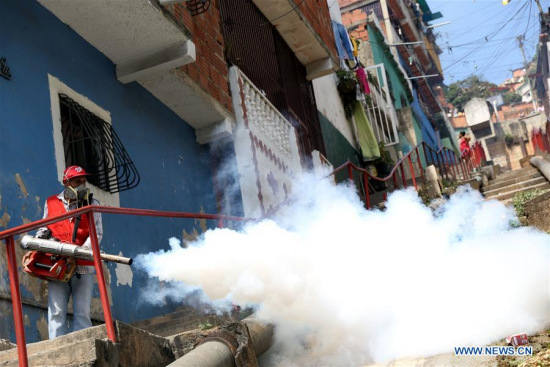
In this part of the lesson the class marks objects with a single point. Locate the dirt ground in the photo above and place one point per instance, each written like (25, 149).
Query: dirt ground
(541, 353)
(541, 357)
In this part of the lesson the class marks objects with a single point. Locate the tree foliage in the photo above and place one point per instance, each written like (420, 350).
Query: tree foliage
(459, 93)
(511, 97)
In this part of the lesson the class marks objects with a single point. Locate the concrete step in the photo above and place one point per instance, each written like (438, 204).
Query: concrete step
(96, 332)
(525, 171)
(6, 345)
(507, 195)
(81, 353)
(90, 347)
(495, 184)
(513, 185)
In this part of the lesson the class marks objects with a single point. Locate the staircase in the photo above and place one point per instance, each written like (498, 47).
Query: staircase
(506, 185)
(154, 342)
(91, 348)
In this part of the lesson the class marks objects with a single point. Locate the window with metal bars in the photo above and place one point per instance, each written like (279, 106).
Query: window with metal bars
(90, 142)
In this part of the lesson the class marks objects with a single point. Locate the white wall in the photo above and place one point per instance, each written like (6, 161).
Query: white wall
(329, 103)
(266, 148)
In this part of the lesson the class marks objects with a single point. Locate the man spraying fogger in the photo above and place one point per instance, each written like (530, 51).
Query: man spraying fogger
(79, 284)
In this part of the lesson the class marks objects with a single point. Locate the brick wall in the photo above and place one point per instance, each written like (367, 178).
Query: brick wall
(514, 112)
(317, 14)
(210, 69)
(356, 19)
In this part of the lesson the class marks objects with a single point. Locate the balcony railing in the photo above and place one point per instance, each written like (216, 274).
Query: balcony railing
(268, 136)
(451, 167)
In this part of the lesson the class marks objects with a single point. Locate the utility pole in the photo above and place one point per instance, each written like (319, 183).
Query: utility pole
(505, 2)
(520, 39)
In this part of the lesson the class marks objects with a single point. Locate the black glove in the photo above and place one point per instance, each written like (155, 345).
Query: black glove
(46, 235)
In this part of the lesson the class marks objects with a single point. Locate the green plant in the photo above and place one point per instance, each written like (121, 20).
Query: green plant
(424, 194)
(508, 139)
(372, 80)
(385, 156)
(205, 326)
(347, 89)
(385, 163)
(449, 187)
(519, 200)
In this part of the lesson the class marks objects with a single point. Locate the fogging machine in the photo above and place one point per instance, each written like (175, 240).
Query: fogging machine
(53, 260)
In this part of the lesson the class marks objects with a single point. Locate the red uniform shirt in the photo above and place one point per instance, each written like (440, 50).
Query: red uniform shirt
(63, 230)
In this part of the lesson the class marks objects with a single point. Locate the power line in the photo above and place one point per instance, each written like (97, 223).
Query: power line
(492, 33)
(500, 48)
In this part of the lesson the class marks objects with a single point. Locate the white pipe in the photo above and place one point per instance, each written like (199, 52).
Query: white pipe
(214, 353)
(542, 164)
(67, 249)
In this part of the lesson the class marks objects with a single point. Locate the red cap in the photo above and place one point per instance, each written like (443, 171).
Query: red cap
(74, 171)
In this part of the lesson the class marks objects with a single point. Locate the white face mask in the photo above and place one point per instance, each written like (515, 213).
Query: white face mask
(79, 193)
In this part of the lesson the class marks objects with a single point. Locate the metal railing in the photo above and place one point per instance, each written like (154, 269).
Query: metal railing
(541, 139)
(8, 237)
(451, 167)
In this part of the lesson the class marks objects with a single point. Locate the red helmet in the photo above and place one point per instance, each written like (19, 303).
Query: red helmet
(74, 171)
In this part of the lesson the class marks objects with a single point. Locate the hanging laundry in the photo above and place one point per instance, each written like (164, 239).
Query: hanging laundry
(343, 44)
(365, 134)
(352, 63)
(363, 82)
(355, 45)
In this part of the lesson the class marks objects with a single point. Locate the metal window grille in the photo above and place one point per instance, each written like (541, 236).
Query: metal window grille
(379, 106)
(197, 7)
(376, 8)
(91, 143)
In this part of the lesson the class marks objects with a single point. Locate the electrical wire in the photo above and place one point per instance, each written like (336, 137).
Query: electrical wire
(502, 47)
(450, 67)
(489, 64)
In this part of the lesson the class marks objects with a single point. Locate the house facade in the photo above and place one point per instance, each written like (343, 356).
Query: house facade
(64, 104)
(197, 106)
(201, 106)
(397, 34)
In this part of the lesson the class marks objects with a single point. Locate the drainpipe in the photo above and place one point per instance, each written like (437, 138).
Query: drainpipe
(542, 164)
(215, 353)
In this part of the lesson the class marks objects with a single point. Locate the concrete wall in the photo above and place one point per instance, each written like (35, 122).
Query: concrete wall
(477, 112)
(175, 171)
(330, 105)
(338, 148)
(317, 15)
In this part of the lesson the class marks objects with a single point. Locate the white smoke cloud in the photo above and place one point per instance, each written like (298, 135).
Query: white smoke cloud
(346, 286)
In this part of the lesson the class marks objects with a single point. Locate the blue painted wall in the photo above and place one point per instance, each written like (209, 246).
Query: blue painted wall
(175, 170)
(427, 130)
